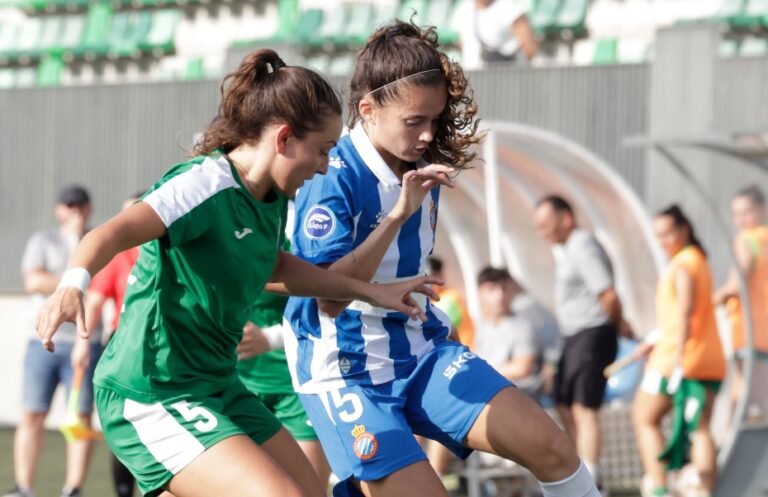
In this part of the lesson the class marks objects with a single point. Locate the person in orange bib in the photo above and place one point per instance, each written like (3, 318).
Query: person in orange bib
(686, 364)
(751, 249)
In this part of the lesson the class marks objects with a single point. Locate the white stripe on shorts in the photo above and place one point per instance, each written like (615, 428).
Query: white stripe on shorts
(165, 438)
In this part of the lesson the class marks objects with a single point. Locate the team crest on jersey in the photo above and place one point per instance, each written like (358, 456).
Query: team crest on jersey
(345, 365)
(433, 214)
(319, 223)
(365, 445)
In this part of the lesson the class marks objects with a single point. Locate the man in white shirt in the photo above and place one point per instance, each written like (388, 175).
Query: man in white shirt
(493, 31)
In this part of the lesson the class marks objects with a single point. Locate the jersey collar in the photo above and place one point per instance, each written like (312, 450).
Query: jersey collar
(371, 156)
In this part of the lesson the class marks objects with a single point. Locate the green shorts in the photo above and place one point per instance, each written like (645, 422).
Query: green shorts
(156, 441)
(288, 409)
(655, 383)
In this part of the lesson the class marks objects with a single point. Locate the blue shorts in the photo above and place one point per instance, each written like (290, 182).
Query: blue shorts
(44, 371)
(367, 432)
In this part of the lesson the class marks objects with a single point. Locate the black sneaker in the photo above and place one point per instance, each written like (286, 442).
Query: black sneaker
(20, 492)
(70, 492)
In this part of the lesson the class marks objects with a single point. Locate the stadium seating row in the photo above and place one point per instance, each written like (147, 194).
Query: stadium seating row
(744, 14)
(99, 33)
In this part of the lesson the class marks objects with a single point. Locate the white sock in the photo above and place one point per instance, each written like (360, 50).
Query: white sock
(579, 484)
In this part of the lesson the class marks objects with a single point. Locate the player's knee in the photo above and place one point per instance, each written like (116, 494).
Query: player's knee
(556, 457)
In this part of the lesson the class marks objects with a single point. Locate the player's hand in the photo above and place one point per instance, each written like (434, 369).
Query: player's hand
(254, 342)
(81, 354)
(397, 296)
(64, 305)
(416, 185)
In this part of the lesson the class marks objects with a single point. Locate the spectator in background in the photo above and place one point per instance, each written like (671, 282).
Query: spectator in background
(506, 340)
(110, 284)
(493, 31)
(452, 303)
(686, 364)
(751, 249)
(45, 259)
(589, 312)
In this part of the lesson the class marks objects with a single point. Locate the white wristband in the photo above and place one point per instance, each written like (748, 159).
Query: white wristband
(76, 277)
(274, 336)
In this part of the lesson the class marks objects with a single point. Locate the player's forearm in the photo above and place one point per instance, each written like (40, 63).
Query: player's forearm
(293, 276)
(40, 281)
(612, 306)
(363, 261)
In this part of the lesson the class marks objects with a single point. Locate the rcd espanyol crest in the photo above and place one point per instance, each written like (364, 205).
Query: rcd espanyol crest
(319, 223)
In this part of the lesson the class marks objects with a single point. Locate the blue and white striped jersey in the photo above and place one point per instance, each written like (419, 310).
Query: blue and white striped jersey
(335, 213)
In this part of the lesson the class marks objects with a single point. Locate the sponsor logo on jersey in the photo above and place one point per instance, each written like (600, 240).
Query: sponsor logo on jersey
(379, 218)
(242, 234)
(345, 365)
(365, 445)
(319, 223)
(336, 162)
(457, 364)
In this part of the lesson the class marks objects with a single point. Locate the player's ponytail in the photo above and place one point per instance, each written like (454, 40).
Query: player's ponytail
(402, 53)
(263, 91)
(680, 220)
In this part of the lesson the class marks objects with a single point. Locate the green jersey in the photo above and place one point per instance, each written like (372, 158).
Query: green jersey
(189, 293)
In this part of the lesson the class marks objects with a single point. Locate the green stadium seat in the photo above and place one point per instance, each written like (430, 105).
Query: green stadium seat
(96, 30)
(25, 77)
(50, 33)
(28, 39)
(332, 26)
(67, 4)
(7, 78)
(728, 48)
(71, 33)
(605, 52)
(756, 11)
(49, 71)
(754, 47)
(359, 24)
(121, 42)
(195, 69)
(544, 15)
(160, 36)
(572, 16)
(8, 32)
(309, 23)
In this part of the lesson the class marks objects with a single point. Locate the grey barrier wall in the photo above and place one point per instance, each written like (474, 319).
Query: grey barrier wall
(116, 139)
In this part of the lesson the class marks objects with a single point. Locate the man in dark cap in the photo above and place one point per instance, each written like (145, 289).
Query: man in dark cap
(45, 259)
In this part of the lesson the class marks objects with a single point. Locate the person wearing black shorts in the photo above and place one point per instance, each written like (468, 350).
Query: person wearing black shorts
(589, 313)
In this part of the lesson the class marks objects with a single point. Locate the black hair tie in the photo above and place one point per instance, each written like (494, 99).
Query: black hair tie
(277, 64)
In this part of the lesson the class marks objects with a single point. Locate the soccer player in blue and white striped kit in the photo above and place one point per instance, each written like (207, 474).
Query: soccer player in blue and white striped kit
(371, 378)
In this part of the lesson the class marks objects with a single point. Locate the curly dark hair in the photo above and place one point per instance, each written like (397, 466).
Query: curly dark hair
(403, 49)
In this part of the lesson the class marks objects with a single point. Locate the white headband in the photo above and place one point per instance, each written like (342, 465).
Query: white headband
(401, 79)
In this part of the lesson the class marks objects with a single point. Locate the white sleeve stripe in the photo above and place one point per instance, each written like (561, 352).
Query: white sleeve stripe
(179, 195)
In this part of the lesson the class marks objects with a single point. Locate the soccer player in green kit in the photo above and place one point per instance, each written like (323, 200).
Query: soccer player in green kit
(168, 394)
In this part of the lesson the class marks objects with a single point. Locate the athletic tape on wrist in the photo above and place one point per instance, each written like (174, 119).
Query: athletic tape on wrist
(274, 336)
(76, 277)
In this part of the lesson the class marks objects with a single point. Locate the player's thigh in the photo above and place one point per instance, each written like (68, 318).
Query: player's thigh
(651, 400)
(285, 451)
(363, 431)
(447, 392)
(234, 467)
(512, 426)
(415, 480)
